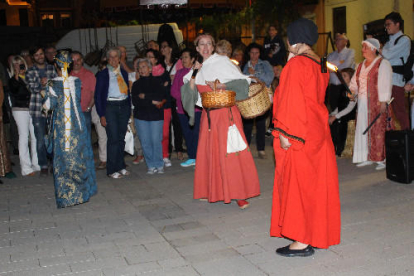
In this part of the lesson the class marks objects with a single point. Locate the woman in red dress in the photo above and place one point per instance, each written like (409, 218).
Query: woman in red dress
(306, 207)
(219, 175)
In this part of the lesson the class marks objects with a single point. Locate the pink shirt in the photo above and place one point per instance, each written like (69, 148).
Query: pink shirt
(88, 82)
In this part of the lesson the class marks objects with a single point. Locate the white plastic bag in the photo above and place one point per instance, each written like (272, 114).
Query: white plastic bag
(235, 141)
(129, 141)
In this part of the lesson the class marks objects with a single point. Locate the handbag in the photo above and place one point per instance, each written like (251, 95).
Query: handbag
(49, 136)
(129, 141)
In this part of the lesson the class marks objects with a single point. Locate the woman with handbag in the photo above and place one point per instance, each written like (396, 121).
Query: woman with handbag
(220, 174)
(20, 97)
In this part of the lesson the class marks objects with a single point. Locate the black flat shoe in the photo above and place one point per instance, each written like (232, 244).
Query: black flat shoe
(287, 252)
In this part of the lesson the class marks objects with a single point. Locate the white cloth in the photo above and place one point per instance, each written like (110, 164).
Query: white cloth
(209, 72)
(384, 95)
(343, 59)
(28, 159)
(132, 77)
(345, 111)
(235, 142)
(101, 132)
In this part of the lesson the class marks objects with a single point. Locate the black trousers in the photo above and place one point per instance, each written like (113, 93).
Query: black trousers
(333, 94)
(260, 130)
(178, 134)
(339, 131)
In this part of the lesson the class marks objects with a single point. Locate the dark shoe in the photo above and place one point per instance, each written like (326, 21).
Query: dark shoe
(44, 172)
(10, 175)
(101, 166)
(287, 252)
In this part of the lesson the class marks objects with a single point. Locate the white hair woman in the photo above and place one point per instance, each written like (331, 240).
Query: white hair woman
(147, 97)
(113, 104)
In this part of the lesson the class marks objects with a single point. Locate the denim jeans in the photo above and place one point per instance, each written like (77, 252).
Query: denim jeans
(150, 135)
(117, 116)
(190, 133)
(39, 124)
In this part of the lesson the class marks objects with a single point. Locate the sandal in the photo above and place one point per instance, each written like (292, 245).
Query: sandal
(115, 175)
(180, 155)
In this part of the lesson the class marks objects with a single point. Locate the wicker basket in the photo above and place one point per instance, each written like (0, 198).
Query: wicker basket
(218, 98)
(257, 103)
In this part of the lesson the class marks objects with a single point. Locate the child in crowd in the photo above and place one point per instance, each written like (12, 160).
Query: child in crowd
(345, 111)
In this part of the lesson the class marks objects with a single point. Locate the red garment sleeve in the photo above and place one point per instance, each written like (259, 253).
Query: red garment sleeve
(289, 112)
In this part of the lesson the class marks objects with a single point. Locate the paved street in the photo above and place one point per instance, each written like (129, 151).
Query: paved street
(150, 225)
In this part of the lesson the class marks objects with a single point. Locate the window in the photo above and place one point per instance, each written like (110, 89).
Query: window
(65, 20)
(47, 20)
(339, 20)
(24, 17)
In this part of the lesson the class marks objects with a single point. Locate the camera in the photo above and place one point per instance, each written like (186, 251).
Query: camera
(22, 67)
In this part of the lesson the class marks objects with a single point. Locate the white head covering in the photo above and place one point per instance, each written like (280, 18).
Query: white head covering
(373, 43)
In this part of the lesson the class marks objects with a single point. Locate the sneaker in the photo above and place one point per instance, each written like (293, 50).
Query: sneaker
(160, 170)
(188, 163)
(138, 160)
(365, 163)
(243, 204)
(180, 155)
(167, 162)
(124, 172)
(115, 175)
(268, 132)
(380, 166)
(151, 171)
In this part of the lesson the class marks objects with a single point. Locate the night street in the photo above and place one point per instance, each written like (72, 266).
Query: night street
(150, 225)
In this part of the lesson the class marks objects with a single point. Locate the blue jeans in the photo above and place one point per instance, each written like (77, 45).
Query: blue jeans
(88, 121)
(39, 124)
(190, 133)
(117, 116)
(150, 135)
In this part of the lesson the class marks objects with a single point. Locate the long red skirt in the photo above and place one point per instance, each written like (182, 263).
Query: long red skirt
(220, 176)
(306, 206)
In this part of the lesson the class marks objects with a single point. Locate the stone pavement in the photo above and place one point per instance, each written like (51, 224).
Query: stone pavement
(150, 225)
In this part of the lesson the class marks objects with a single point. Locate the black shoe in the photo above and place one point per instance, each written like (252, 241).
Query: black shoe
(287, 252)
(44, 172)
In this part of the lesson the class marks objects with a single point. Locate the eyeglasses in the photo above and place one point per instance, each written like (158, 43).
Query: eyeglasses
(388, 24)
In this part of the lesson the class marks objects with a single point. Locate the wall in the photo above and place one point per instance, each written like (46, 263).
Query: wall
(360, 12)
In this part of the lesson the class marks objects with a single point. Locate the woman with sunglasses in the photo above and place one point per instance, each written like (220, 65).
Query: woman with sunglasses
(20, 97)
